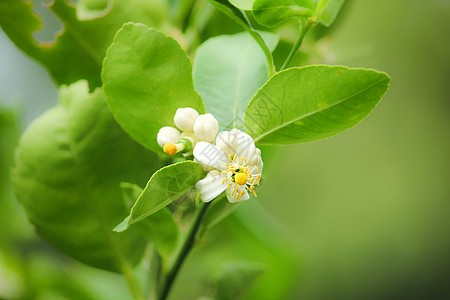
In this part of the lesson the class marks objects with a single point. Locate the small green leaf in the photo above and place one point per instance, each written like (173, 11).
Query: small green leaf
(160, 227)
(327, 10)
(243, 4)
(165, 186)
(228, 70)
(69, 164)
(236, 278)
(80, 47)
(306, 104)
(272, 13)
(146, 78)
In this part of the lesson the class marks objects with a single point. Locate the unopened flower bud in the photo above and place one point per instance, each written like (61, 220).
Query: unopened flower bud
(206, 127)
(167, 135)
(185, 118)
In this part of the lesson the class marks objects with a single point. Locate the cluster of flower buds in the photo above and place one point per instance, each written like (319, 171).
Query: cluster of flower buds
(193, 127)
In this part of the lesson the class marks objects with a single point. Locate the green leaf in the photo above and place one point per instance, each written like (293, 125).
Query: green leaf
(236, 278)
(327, 10)
(306, 104)
(243, 4)
(69, 164)
(272, 13)
(165, 186)
(79, 49)
(146, 78)
(160, 227)
(228, 71)
(8, 141)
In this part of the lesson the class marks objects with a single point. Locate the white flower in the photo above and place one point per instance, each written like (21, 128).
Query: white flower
(206, 127)
(185, 118)
(237, 166)
(167, 135)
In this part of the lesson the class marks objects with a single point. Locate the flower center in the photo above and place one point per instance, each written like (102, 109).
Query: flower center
(241, 178)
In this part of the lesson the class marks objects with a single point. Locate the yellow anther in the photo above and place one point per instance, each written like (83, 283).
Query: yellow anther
(170, 148)
(241, 178)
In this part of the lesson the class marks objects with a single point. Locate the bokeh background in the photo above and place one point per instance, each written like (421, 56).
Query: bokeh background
(364, 215)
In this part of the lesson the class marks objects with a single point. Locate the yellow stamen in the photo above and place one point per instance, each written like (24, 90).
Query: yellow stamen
(251, 190)
(241, 178)
(170, 148)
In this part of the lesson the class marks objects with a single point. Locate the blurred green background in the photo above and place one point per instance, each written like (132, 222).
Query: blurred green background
(365, 214)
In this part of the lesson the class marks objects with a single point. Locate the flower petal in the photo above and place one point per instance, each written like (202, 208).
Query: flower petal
(245, 145)
(255, 170)
(234, 198)
(212, 186)
(227, 142)
(210, 155)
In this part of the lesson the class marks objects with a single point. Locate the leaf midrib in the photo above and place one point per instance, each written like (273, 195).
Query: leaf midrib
(71, 31)
(158, 207)
(92, 202)
(319, 110)
(238, 81)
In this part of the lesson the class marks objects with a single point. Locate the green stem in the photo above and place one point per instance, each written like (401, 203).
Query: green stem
(304, 27)
(132, 282)
(187, 246)
(255, 35)
(183, 12)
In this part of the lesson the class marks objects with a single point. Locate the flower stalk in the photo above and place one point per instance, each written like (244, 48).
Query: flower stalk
(189, 243)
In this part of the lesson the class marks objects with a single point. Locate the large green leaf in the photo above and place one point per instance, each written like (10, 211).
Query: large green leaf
(160, 227)
(79, 49)
(69, 164)
(147, 77)
(311, 103)
(228, 70)
(165, 186)
(236, 278)
(328, 10)
(8, 141)
(272, 13)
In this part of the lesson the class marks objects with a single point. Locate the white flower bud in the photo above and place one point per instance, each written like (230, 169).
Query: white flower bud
(206, 127)
(255, 160)
(168, 134)
(185, 118)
